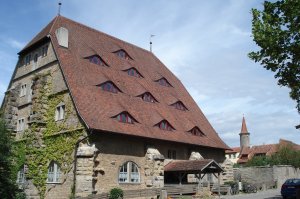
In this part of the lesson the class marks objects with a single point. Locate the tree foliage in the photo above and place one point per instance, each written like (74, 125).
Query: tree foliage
(7, 185)
(276, 31)
(286, 155)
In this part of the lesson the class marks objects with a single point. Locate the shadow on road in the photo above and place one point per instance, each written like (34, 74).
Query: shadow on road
(274, 197)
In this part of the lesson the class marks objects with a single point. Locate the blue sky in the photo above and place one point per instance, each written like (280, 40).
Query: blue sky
(205, 43)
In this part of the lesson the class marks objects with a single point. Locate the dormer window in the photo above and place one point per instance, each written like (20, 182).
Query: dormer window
(123, 54)
(165, 125)
(147, 97)
(196, 131)
(109, 86)
(179, 105)
(125, 117)
(133, 72)
(95, 59)
(164, 82)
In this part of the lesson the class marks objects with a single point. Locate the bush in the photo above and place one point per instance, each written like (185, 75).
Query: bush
(115, 193)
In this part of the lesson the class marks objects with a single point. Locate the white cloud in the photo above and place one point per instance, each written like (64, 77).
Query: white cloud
(15, 44)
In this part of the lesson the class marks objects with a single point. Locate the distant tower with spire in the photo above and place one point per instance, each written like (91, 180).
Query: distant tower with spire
(244, 135)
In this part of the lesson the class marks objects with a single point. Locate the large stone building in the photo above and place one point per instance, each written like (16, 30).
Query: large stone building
(90, 112)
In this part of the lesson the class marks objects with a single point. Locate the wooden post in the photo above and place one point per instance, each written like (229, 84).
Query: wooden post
(219, 185)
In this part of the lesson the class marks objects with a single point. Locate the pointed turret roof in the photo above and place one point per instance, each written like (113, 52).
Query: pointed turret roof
(244, 127)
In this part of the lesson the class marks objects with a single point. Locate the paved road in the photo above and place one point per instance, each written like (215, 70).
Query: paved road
(269, 194)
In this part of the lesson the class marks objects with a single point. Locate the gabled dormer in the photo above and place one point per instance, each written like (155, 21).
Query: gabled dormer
(123, 54)
(196, 131)
(179, 105)
(133, 72)
(164, 82)
(165, 125)
(109, 86)
(96, 59)
(125, 117)
(148, 97)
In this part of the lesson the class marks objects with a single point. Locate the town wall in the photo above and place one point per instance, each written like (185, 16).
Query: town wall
(264, 176)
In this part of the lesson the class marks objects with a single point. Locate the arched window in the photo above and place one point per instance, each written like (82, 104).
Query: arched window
(129, 173)
(123, 54)
(196, 131)
(165, 125)
(179, 105)
(134, 72)
(164, 82)
(110, 87)
(148, 97)
(21, 175)
(95, 59)
(53, 173)
(125, 118)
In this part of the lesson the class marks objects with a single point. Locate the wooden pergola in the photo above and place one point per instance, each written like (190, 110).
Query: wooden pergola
(198, 167)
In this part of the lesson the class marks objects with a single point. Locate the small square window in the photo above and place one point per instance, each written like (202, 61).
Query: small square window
(21, 124)
(44, 50)
(27, 59)
(60, 112)
(23, 90)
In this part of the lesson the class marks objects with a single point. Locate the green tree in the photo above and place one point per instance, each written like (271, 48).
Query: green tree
(276, 31)
(7, 185)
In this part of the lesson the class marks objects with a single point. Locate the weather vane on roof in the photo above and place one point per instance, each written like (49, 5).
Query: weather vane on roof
(151, 42)
(59, 6)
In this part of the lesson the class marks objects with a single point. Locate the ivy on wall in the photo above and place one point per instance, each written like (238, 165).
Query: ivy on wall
(47, 140)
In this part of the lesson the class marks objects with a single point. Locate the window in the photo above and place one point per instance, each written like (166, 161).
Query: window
(125, 118)
(209, 177)
(134, 72)
(27, 59)
(23, 90)
(21, 124)
(165, 125)
(53, 173)
(109, 86)
(21, 175)
(60, 112)
(164, 82)
(123, 54)
(179, 105)
(44, 50)
(95, 59)
(196, 131)
(148, 97)
(35, 58)
(172, 154)
(129, 173)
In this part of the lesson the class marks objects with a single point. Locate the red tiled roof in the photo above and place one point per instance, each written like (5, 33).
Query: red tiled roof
(233, 150)
(97, 107)
(244, 129)
(191, 165)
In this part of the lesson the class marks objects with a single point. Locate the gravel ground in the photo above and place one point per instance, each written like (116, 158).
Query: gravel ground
(269, 194)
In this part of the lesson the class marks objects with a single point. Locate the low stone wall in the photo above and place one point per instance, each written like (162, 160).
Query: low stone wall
(266, 175)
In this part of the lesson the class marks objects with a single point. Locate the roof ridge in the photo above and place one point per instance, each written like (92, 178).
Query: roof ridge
(110, 36)
(54, 21)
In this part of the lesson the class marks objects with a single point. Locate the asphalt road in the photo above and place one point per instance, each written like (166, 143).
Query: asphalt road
(269, 194)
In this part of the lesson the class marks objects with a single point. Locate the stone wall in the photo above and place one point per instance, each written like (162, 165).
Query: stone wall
(265, 175)
(227, 175)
